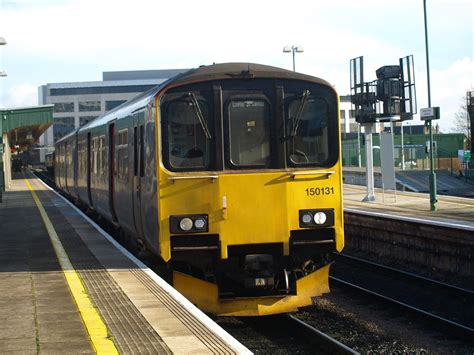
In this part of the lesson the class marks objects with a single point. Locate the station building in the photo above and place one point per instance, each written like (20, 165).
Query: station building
(347, 115)
(77, 103)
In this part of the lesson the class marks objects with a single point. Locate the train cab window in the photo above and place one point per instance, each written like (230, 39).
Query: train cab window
(307, 129)
(249, 133)
(189, 132)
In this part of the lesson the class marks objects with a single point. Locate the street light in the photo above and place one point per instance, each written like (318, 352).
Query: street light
(293, 49)
(2, 43)
(2, 178)
(433, 199)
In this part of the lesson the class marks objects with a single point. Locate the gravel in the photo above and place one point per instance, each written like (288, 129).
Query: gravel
(369, 326)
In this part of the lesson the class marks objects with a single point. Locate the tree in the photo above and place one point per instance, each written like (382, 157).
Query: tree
(462, 123)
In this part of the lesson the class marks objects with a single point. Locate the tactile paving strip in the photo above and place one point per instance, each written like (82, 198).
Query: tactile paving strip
(214, 343)
(131, 332)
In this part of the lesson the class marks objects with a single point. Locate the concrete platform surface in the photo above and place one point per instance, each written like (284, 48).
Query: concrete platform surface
(93, 298)
(458, 211)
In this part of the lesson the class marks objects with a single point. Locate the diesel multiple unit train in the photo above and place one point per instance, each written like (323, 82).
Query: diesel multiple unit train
(230, 173)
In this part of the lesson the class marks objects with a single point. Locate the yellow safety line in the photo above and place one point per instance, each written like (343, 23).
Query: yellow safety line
(95, 326)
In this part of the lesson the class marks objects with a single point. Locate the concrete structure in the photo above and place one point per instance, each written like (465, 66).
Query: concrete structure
(80, 102)
(347, 114)
(20, 127)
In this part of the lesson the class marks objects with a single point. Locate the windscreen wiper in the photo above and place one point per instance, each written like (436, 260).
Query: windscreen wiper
(198, 112)
(299, 112)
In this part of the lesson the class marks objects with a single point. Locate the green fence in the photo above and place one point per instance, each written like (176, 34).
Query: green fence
(414, 150)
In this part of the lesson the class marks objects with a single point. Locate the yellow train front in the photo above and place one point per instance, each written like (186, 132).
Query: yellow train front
(249, 187)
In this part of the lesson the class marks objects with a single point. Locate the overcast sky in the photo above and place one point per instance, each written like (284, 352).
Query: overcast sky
(53, 41)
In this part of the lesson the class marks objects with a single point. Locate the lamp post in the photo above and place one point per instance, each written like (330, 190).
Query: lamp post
(433, 199)
(2, 74)
(293, 49)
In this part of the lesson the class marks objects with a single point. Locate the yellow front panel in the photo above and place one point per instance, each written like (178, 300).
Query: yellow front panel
(205, 295)
(247, 208)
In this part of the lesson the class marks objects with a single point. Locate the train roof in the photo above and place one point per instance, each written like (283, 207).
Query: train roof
(239, 71)
(204, 73)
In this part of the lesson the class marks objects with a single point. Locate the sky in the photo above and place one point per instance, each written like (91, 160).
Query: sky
(51, 41)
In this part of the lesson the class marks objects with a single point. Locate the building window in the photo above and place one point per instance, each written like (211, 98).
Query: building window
(109, 105)
(351, 113)
(84, 119)
(342, 114)
(62, 126)
(64, 107)
(89, 106)
(353, 127)
(101, 90)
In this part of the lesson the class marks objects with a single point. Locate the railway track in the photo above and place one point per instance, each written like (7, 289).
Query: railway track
(45, 177)
(447, 305)
(282, 334)
(324, 341)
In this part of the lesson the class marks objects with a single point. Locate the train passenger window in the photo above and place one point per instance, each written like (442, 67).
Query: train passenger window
(142, 151)
(135, 151)
(307, 129)
(122, 155)
(95, 146)
(189, 132)
(249, 132)
(102, 155)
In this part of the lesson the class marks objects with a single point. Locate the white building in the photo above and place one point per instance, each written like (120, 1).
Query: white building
(77, 103)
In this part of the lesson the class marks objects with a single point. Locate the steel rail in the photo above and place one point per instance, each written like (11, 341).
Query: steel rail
(466, 331)
(43, 176)
(405, 273)
(336, 347)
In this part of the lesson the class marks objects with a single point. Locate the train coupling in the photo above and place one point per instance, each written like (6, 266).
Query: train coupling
(258, 270)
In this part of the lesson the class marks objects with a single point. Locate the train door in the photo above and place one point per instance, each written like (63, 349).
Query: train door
(58, 170)
(75, 158)
(138, 169)
(89, 168)
(112, 170)
(66, 185)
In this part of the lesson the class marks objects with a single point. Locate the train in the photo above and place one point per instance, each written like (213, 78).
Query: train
(230, 174)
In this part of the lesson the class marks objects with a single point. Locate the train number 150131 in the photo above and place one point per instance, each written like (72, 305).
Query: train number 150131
(317, 191)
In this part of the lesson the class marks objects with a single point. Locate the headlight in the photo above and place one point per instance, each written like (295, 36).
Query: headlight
(306, 218)
(195, 223)
(323, 217)
(186, 224)
(320, 217)
(199, 223)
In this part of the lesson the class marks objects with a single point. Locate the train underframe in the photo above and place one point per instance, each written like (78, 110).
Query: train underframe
(258, 277)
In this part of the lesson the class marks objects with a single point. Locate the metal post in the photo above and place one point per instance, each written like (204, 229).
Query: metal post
(293, 49)
(359, 159)
(369, 163)
(433, 198)
(403, 150)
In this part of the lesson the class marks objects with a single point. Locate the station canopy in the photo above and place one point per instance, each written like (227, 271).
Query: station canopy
(25, 125)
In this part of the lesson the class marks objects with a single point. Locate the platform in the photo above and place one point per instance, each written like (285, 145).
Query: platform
(458, 211)
(68, 287)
